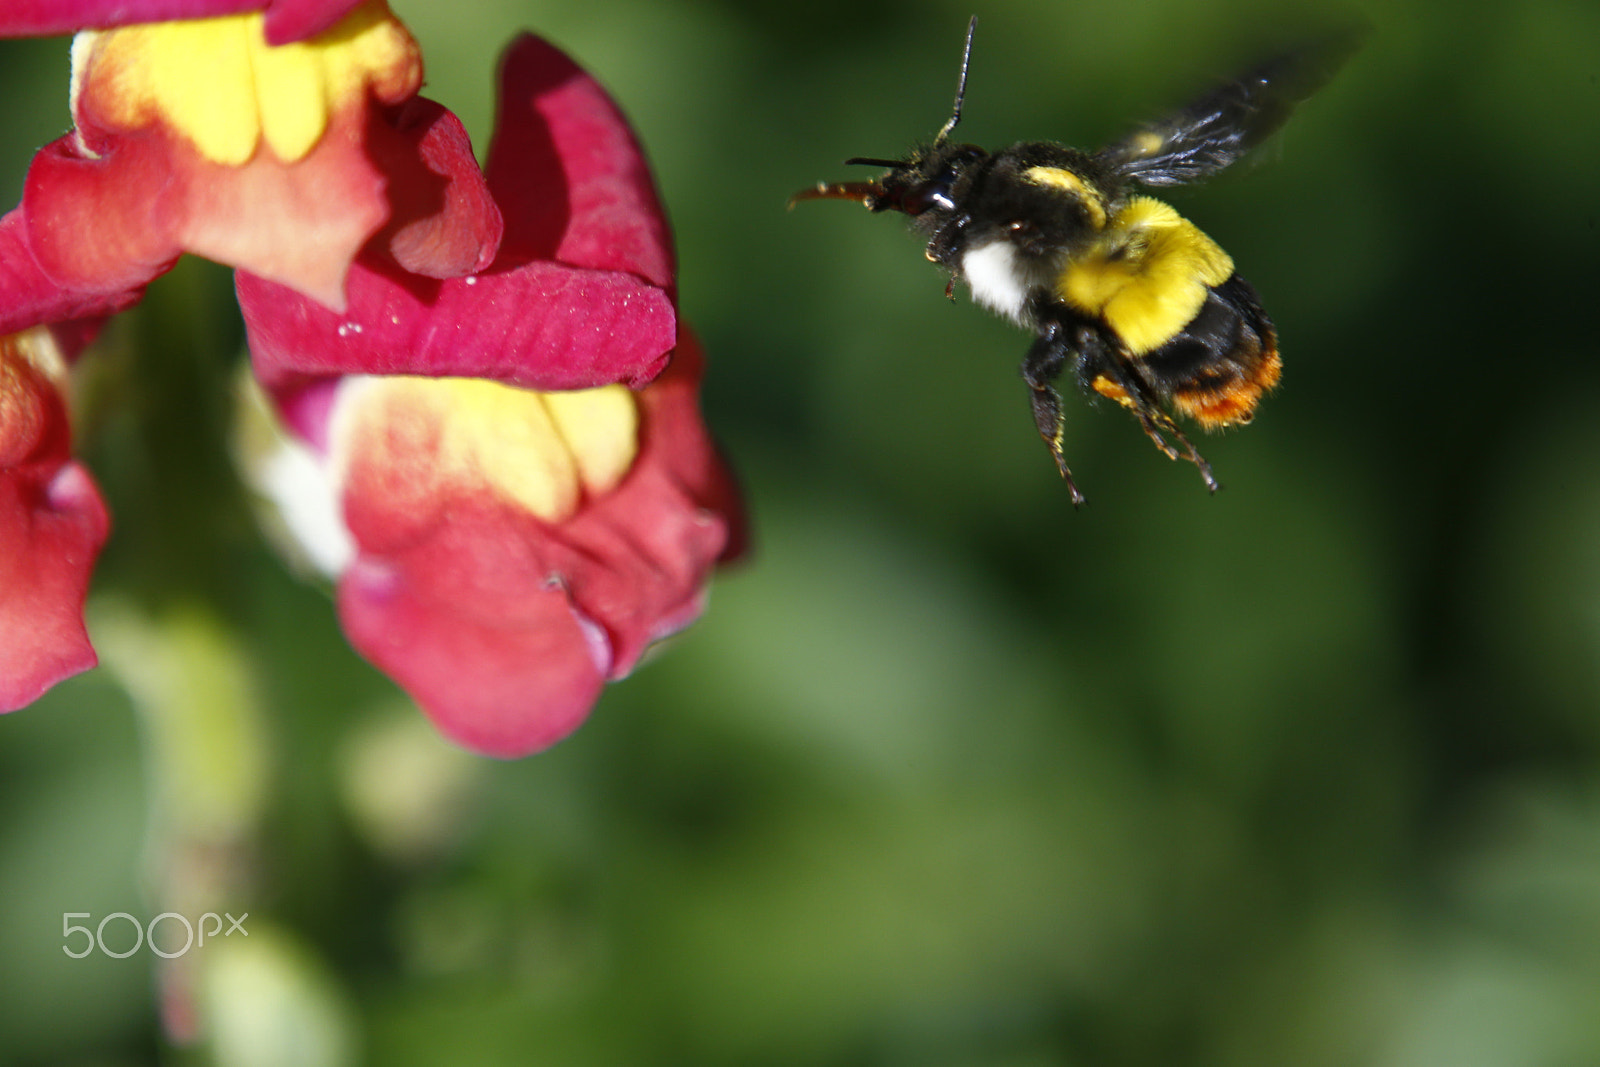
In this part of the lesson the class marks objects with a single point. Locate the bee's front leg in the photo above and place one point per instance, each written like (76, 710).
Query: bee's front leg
(1040, 368)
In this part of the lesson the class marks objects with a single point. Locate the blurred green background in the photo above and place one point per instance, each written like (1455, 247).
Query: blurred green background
(1304, 773)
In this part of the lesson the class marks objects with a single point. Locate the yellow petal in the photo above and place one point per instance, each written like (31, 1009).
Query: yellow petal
(218, 83)
(424, 438)
(600, 427)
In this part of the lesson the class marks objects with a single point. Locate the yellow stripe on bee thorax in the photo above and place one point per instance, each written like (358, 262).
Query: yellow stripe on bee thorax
(1147, 276)
(1065, 180)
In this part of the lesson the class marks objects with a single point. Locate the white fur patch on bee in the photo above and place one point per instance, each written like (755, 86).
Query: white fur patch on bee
(998, 279)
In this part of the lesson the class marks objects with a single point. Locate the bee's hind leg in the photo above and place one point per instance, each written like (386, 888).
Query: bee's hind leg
(1111, 377)
(1155, 422)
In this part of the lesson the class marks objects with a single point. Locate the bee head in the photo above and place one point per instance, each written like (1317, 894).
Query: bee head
(926, 181)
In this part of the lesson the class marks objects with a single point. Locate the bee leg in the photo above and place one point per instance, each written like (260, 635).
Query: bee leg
(1112, 378)
(1155, 421)
(1040, 369)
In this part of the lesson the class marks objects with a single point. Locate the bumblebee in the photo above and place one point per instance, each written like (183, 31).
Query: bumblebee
(1142, 306)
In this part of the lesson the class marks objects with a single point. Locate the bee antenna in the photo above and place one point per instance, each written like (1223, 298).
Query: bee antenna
(868, 161)
(961, 85)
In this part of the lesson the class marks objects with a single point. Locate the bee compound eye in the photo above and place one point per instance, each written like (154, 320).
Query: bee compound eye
(935, 192)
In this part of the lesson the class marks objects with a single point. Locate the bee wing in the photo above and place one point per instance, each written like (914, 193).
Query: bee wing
(1229, 121)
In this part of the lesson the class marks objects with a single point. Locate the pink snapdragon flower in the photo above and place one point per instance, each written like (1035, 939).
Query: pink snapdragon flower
(522, 507)
(513, 528)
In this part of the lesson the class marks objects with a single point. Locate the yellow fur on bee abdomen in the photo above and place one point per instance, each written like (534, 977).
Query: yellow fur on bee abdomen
(1147, 276)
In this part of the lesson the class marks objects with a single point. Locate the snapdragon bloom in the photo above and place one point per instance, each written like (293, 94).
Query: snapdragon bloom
(465, 364)
(52, 523)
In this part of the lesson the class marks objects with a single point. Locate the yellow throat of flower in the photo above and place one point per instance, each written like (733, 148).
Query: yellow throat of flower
(225, 89)
(540, 452)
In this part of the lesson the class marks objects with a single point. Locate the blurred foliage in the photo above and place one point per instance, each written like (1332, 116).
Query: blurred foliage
(1303, 773)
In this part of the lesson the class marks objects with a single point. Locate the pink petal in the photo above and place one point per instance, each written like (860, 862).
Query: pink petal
(570, 176)
(89, 221)
(540, 325)
(29, 297)
(51, 531)
(571, 183)
(287, 20)
(505, 683)
(443, 221)
(636, 559)
(115, 221)
(504, 627)
(295, 20)
(52, 524)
